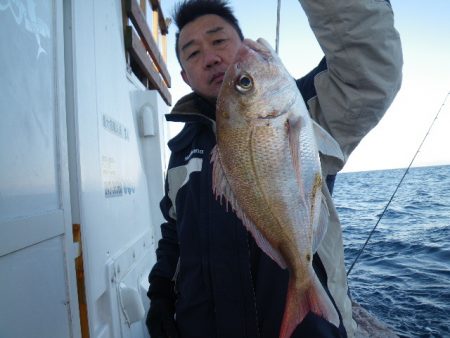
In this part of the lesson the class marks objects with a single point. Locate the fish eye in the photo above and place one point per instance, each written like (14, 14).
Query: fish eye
(244, 83)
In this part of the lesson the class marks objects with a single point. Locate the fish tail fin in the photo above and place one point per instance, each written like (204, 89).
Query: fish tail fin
(299, 302)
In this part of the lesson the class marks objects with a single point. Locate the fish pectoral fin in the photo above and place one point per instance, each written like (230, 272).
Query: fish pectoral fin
(326, 144)
(222, 189)
(320, 224)
(299, 302)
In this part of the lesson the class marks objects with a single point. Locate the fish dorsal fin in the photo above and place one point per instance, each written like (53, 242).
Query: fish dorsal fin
(320, 223)
(222, 189)
(326, 144)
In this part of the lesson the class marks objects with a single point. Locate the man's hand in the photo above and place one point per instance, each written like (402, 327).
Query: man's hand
(160, 319)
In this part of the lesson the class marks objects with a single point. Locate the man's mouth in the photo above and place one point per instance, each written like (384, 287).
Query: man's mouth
(217, 78)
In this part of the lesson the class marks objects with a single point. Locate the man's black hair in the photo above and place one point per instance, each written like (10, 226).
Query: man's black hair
(187, 11)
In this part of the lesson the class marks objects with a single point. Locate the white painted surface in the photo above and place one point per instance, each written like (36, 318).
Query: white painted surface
(116, 176)
(37, 275)
(146, 121)
(22, 232)
(129, 268)
(152, 152)
(28, 172)
(115, 194)
(33, 292)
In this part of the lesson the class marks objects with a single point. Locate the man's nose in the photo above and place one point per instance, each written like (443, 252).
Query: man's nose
(211, 58)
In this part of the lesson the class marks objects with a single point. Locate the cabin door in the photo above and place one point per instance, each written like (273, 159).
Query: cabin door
(38, 296)
(115, 188)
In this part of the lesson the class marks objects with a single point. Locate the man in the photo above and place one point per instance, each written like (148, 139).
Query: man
(211, 279)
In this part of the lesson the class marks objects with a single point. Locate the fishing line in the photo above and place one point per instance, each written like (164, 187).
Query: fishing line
(277, 38)
(398, 186)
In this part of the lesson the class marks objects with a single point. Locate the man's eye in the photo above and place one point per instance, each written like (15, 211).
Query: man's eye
(219, 41)
(193, 54)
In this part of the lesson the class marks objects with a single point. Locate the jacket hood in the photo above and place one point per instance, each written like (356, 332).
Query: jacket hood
(191, 108)
(195, 112)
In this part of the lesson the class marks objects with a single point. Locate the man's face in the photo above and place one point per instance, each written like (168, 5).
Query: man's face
(207, 46)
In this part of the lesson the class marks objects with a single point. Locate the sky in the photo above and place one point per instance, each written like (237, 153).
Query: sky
(424, 29)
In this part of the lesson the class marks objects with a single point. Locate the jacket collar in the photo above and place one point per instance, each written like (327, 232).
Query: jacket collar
(192, 108)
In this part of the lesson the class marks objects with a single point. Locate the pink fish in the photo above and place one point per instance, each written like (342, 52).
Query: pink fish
(266, 165)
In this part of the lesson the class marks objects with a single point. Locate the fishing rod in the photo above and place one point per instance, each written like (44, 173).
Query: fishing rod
(277, 39)
(398, 186)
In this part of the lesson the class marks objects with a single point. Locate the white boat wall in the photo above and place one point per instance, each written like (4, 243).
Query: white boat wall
(83, 92)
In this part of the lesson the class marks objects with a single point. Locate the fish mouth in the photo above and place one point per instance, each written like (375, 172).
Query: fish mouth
(261, 47)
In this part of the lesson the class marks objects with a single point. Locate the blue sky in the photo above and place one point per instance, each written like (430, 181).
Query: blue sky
(424, 28)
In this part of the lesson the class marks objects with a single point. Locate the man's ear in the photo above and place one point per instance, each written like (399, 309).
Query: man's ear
(185, 77)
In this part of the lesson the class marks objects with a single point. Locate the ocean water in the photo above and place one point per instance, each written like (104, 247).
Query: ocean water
(403, 275)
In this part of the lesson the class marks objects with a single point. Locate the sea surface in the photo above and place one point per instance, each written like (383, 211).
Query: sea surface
(403, 275)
